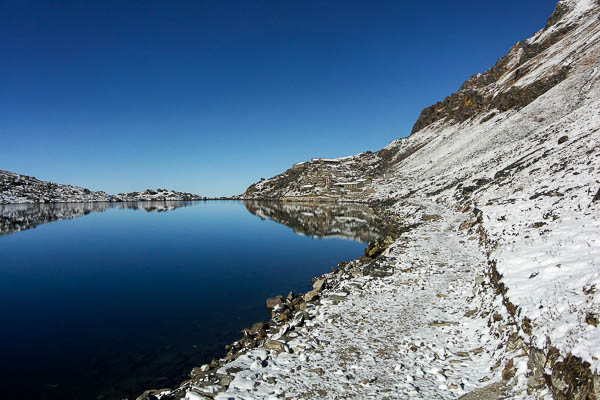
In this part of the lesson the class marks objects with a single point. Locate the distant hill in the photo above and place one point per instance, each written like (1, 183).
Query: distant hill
(16, 188)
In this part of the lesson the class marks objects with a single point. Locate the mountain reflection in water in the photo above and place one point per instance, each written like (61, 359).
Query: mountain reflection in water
(19, 217)
(321, 220)
(89, 301)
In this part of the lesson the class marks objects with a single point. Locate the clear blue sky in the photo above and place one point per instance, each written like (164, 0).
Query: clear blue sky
(210, 96)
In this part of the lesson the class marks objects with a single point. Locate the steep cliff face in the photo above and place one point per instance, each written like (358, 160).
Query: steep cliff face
(518, 148)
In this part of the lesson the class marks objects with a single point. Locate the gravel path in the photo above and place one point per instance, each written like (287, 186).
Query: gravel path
(409, 325)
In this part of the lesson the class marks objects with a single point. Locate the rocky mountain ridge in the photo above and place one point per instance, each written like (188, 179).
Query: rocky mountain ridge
(16, 188)
(499, 88)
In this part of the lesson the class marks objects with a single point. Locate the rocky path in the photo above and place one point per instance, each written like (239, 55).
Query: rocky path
(411, 324)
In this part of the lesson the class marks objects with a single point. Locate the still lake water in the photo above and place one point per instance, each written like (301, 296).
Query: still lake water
(112, 298)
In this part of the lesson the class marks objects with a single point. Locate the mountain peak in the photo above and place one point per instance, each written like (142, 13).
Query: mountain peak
(529, 69)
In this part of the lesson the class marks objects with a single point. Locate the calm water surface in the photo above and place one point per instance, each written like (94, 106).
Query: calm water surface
(112, 298)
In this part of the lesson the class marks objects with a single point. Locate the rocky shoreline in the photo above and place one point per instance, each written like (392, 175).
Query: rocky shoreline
(290, 343)
(398, 322)
(289, 314)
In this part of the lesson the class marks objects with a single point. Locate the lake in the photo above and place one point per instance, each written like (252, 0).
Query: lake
(103, 300)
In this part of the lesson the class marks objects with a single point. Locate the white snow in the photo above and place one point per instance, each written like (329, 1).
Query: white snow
(387, 336)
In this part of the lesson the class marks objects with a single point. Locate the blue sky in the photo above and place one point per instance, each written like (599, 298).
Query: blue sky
(210, 96)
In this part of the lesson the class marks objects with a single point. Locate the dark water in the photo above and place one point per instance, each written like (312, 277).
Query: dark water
(112, 298)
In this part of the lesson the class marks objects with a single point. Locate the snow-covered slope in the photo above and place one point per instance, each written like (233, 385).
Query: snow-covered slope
(565, 50)
(517, 150)
(17, 188)
(533, 175)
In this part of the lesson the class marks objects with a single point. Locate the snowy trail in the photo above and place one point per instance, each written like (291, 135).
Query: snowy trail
(404, 335)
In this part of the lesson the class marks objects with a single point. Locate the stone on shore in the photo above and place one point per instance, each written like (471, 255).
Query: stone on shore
(310, 296)
(273, 302)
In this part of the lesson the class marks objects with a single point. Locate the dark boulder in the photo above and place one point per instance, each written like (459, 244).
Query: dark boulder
(273, 302)
(376, 248)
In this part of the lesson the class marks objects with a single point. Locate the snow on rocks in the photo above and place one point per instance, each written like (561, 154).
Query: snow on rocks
(16, 188)
(372, 335)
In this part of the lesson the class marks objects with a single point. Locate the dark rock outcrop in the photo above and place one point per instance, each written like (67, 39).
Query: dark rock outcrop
(483, 92)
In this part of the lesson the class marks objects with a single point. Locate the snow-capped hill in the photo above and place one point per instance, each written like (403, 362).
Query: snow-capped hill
(16, 188)
(344, 178)
(565, 47)
(158, 194)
